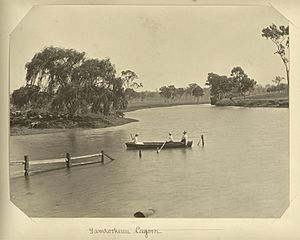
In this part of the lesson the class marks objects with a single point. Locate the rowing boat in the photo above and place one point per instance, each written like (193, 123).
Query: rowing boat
(158, 145)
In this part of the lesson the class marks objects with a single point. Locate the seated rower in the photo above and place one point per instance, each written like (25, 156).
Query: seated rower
(170, 139)
(184, 138)
(135, 139)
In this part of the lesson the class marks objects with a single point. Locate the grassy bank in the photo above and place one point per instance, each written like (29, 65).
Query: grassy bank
(279, 100)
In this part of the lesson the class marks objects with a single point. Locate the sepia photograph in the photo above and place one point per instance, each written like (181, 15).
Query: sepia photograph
(150, 112)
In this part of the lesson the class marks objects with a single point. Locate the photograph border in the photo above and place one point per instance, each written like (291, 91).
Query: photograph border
(14, 224)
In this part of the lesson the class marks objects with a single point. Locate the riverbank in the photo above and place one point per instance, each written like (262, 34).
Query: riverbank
(62, 125)
(275, 100)
(58, 125)
(45, 125)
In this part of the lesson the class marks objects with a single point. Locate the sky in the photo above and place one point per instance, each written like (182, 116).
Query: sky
(163, 45)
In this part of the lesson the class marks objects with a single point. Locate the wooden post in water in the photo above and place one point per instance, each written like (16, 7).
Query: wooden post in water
(202, 139)
(26, 166)
(140, 153)
(102, 157)
(68, 162)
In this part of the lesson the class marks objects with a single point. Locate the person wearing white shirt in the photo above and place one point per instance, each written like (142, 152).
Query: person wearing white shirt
(170, 139)
(184, 138)
(135, 139)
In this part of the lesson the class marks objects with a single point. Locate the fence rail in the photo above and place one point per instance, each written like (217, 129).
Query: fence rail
(67, 160)
(48, 161)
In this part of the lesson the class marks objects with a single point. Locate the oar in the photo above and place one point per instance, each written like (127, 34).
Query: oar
(161, 147)
(131, 136)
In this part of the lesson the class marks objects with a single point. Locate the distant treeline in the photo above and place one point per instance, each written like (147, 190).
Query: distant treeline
(171, 92)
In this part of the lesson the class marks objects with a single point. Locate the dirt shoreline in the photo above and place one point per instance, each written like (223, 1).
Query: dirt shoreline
(18, 131)
(97, 123)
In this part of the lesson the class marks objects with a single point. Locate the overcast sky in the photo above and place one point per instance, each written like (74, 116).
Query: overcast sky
(163, 45)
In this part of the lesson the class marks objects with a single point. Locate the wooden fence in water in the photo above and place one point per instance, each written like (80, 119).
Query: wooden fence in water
(67, 160)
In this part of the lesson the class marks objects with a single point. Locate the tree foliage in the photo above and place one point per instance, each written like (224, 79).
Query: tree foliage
(129, 79)
(167, 91)
(277, 80)
(171, 92)
(238, 84)
(75, 83)
(180, 92)
(280, 37)
(197, 92)
(29, 95)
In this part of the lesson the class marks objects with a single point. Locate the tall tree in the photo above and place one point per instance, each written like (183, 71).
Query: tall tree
(241, 83)
(129, 79)
(190, 88)
(197, 92)
(280, 37)
(52, 68)
(220, 86)
(76, 83)
(165, 92)
(180, 92)
(277, 80)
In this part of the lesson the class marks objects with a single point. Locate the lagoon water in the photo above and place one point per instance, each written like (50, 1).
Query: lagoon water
(242, 171)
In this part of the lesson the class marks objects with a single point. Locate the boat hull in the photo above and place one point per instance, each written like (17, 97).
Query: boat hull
(155, 145)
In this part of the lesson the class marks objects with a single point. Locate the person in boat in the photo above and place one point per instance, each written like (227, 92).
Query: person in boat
(135, 139)
(184, 138)
(170, 139)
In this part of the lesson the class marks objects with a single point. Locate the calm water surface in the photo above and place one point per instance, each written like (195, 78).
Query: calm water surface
(243, 170)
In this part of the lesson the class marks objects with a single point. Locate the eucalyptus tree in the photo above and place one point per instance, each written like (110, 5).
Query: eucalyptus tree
(129, 79)
(166, 92)
(180, 92)
(190, 88)
(240, 82)
(277, 80)
(280, 37)
(219, 86)
(197, 92)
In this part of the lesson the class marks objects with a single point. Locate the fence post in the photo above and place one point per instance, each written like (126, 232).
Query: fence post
(68, 162)
(202, 138)
(102, 156)
(26, 165)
